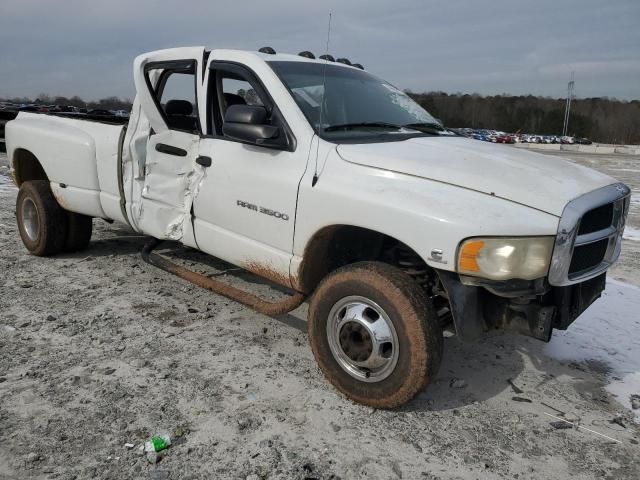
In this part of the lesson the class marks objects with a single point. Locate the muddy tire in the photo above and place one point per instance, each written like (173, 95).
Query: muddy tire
(41, 221)
(374, 334)
(79, 229)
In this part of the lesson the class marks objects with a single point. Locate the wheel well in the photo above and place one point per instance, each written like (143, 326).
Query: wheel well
(27, 167)
(339, 245)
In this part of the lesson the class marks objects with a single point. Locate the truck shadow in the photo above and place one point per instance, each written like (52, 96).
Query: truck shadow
(480, 371)
(236, 276)
(123, 241)
(125, 244)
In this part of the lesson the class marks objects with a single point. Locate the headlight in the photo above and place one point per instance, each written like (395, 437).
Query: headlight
(525, 258)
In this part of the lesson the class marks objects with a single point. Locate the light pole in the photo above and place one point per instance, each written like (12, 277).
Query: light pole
(567, 108)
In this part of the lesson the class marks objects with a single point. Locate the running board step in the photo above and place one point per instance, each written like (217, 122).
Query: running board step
(241, 296)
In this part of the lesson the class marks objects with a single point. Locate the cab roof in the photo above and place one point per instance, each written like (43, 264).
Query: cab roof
(284, 57)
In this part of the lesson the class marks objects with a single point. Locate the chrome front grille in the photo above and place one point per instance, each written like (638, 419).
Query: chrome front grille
(589, 235)
(597, 219)
(587, 256)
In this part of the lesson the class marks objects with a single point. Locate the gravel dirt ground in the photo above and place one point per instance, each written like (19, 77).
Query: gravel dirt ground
(98, 350)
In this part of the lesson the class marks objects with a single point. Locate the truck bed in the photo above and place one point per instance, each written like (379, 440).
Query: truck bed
(8, 115)
(80, 154)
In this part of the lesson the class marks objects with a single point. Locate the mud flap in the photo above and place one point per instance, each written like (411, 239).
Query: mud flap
(574, 300)
(466, 307)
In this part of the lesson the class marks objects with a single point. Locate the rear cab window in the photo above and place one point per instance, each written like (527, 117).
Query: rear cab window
(175, 95)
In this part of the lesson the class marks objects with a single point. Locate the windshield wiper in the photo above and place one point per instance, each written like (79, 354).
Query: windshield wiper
(429, 126)
(349, 126)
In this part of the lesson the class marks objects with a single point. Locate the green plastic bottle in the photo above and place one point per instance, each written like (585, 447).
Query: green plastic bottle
(157, 443)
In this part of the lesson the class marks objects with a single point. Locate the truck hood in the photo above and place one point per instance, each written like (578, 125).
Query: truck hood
(539, 181)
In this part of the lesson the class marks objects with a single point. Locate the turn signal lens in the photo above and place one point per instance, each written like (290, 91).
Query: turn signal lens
(468, 254)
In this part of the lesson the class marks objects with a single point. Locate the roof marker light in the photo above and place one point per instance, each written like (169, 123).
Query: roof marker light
(327, 57)
(307, 54)
(268, 50)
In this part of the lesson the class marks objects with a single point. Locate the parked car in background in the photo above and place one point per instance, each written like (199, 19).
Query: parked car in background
(505, 138)
(99, 111)
(487, 135)
(479, 136)
(66, 109)
(33, 108)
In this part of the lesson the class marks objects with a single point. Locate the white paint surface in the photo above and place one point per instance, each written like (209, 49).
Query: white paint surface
(532, 179)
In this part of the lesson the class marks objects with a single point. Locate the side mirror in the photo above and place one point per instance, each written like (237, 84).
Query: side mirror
(248, 124)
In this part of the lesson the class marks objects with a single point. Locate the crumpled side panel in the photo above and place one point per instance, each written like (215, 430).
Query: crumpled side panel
(193, 180)
(163, 185)
(167, 192)
(133, 163)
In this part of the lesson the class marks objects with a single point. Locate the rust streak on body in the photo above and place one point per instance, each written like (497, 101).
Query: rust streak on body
(269, 273)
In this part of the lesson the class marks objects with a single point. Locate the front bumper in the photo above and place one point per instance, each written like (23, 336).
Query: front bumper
(477, 310)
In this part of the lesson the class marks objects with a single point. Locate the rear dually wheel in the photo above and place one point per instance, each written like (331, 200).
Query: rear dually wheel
(42, 223)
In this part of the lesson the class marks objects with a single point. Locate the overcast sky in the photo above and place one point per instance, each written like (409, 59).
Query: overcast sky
(86, 47)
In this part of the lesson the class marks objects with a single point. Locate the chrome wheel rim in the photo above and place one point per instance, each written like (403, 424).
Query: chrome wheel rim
(362, 339)
(30, 219)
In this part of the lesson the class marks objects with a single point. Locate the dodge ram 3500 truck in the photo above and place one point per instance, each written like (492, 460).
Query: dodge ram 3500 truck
(329, 181)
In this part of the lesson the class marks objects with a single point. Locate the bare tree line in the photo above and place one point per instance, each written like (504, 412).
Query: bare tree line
(108, 103)
(600, 119)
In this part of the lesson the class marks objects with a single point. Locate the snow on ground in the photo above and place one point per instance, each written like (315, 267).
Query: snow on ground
(608, 332)
(5, 181)
(635, 202)
(631, 233)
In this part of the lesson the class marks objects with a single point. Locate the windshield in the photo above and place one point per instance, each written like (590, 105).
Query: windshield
(356, 103)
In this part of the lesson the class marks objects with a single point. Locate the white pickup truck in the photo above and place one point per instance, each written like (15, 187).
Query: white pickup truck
(333, 183)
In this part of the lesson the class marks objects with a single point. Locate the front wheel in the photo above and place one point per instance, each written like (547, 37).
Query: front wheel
(374, 334)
